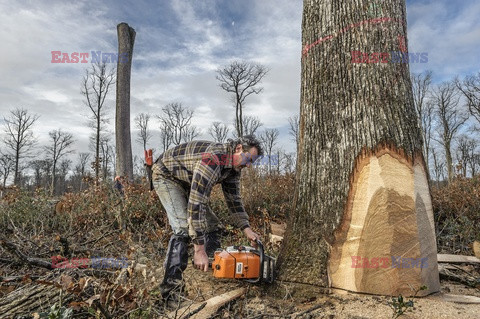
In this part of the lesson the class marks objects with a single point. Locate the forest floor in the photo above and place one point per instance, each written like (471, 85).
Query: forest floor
(91, 224)
(131, 293)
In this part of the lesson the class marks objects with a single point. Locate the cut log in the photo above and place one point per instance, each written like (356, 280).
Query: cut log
(30, 298)
(385, 243)
(456, 298)
(457, 259)
(204, 310)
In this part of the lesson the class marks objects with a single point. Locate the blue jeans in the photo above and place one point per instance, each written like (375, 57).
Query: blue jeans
(174, 199)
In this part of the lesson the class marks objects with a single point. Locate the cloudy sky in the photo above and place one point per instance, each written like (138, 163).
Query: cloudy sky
(179, 45)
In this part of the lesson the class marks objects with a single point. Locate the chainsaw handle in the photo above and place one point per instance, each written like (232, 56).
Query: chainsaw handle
(262, 258)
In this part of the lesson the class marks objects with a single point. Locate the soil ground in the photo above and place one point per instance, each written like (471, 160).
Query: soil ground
(258, 303)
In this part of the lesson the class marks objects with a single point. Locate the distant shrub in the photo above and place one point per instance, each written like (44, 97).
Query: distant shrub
(457, 214)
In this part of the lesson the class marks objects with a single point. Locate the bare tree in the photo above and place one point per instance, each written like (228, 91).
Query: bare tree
(251, 124)
(438, 166)
(82, 163)
(191, 132)
(80, 170)
(420, 86)
(277, 160)
(108, 157)
(95, 87)
(241, 79)
(166, 134)
(19, 137)
(65, 165)
(427, 119)
(176, 119)
(450, 118)
(470, 88)
(466, 155)
(290, 162)
(141, 123)
(7, 165)
(59, 147)
(474, 164)
(37, 165)
(269, 140)
(123, 141)
(218, 131)
(293, 130)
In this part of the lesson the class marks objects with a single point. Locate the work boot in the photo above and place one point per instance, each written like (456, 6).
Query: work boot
(212, 243)
(175, 263)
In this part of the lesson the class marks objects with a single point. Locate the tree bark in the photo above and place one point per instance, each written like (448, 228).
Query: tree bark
(32, 298)
(361, 184)
(123, 149)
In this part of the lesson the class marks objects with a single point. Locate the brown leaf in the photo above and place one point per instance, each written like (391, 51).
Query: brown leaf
(82, 283)
(4, 290)
(103, 296)
(26, 279)
(78, 305)
(90, 300)
(66, 281)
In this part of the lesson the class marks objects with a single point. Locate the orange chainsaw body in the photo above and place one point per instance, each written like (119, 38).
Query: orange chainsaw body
(237, 263)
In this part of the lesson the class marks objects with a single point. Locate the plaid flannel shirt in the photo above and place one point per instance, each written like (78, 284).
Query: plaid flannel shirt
(198, 166)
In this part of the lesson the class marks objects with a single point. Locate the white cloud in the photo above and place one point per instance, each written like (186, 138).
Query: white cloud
(178, 47)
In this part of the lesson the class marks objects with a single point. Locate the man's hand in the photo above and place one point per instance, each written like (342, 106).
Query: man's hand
(200, 258)
(252, 236)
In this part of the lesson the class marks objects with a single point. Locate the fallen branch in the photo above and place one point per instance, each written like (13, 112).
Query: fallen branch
(447, 258)
(17, 278)
(446, 272)
(9, 261)
(203, 310)
(455, 298)
(299, 314)
(29, 260)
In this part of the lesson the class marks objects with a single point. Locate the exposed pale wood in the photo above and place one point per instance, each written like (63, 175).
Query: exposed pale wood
(389, 214)
(274, 239)
(278, 229)
(452, 259)
(476, 248)
(213, 304)
(455, 298)
(204, 310)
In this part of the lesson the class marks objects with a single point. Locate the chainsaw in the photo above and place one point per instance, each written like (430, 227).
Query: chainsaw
(244, 262)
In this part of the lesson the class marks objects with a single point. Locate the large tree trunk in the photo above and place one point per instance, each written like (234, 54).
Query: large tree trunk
(362, 189)
(123, 149)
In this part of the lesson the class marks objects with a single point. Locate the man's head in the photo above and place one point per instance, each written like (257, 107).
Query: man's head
(246, 150)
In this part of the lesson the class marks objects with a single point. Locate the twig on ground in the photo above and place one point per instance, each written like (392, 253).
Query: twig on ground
(29, 260)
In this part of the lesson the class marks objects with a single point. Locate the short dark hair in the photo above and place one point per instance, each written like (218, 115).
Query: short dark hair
(247, 141)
